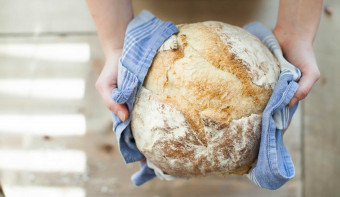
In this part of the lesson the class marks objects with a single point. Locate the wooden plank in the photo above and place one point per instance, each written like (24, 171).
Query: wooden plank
(238, 12)
(322, 113)
(109, 175)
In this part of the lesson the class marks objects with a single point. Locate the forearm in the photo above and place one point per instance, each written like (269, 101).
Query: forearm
(298, 20)
(111, 18)
(297, 24)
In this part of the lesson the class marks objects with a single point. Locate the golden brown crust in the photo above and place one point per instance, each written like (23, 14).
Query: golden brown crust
(166, 138)
(209, 86)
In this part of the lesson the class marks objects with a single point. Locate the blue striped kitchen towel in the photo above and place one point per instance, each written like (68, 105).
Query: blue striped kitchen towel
(144, 35)
(274, 166)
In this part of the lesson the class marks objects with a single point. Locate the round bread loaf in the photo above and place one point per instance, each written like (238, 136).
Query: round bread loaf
(200, 108)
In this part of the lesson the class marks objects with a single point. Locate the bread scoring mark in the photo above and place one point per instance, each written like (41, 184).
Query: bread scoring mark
(204, 43)
(250, 51)
(162, 73)
(208, 90)
(220, 57)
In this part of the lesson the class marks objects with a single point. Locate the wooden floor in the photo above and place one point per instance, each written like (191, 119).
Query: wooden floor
(321, 120)
(55, 132)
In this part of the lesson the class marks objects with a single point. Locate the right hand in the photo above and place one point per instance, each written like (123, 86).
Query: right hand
(107, 81)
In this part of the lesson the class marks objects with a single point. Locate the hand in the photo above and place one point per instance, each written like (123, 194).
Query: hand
(300, 53)
(107, 81)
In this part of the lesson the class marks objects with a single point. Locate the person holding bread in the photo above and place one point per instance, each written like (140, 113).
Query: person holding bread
(295, 30)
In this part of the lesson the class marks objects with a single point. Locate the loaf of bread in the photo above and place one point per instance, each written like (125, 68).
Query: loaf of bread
(200, 108)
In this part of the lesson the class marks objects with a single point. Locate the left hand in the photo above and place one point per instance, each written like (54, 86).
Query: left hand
(300, 53)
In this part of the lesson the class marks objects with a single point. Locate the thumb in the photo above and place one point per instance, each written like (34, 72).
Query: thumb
(119, 109)
(305, 85)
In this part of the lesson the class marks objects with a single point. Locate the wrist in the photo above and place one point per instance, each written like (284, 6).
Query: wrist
(290, 39)
(113, 53)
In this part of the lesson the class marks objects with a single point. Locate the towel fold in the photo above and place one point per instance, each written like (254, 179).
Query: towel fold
(144, 35)
(274, 165)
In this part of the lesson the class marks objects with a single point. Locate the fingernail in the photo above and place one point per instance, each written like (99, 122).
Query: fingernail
(121, 115)
(293, 101)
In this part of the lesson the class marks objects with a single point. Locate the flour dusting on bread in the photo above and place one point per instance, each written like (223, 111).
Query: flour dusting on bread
(199, 110)
(186, 156)
(247, 48)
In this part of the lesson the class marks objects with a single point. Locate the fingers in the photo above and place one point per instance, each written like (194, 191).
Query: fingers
(306, 83)
(301, 54)
(107, 81)
(105, 91)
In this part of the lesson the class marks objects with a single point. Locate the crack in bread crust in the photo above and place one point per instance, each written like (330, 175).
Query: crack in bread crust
(231, 148)
(205, 104)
